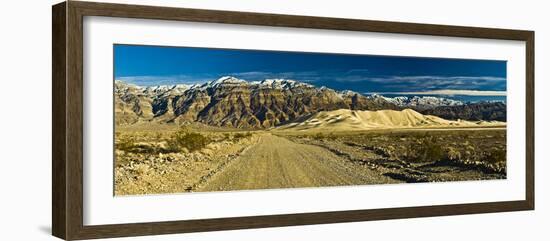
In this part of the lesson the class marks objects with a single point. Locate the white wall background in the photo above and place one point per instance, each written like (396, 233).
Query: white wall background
(25, 120)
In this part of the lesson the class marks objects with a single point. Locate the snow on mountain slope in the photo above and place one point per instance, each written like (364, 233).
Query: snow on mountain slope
(421, 102)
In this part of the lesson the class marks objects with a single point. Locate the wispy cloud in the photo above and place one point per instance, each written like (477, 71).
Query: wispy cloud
(304, 76)
(164, 80)
(450, 92)
(351, 71)
(424, 83)
(415, 79)
(250, 74)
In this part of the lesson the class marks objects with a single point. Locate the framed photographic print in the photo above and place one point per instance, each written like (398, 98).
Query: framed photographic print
(170, 120)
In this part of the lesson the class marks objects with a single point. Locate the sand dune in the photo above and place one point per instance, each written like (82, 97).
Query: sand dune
(344, 119)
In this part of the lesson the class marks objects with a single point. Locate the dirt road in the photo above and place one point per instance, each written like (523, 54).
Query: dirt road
(276, 162)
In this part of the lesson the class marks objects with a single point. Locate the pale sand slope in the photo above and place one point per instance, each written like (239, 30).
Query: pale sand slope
(346, 120)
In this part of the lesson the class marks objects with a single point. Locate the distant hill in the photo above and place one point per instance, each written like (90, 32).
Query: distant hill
(348, 120)
(473, 111)
(232, 102)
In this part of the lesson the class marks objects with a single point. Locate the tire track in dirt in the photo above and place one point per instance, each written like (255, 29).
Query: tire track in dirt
(276, 162)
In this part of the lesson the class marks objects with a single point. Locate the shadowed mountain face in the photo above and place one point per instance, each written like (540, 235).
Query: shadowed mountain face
(475, 111)
(231, 102)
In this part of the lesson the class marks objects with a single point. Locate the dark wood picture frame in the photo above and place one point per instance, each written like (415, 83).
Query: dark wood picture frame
(67, 123)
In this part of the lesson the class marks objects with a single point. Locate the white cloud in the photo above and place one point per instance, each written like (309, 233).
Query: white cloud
(163, 80)
(415, 79)
(451, 92)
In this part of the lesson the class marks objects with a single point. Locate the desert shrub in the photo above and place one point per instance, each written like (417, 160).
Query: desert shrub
(453, 154)
(495, 156)
(320, 136)
(390, 151)
(129, 144)
(145, 148)
(331, 136)
(125, 143)
(239, 136)
(428, 150)
(185, 138)
(382, 151)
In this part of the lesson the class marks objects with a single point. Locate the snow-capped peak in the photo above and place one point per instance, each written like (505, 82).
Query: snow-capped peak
(180, 88)
(348, 93)
(121, 85)
(227, 80)
(279, 84)
(165, 89)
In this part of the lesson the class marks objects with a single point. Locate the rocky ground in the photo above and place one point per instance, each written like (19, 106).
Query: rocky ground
(421, 155)
(175, 172)
(147, 163)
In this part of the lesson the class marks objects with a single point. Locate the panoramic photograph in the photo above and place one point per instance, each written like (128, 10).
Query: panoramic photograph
(191, 119)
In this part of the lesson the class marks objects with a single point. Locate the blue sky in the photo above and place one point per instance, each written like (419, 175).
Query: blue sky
(154, 65)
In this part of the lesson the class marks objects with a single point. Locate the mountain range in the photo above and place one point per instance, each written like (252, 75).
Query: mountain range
(233, 102)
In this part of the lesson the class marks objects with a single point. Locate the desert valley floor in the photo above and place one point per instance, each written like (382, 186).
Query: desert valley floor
(232, 159)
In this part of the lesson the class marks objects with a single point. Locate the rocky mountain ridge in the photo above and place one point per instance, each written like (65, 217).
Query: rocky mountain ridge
(422, 102)
(233, 102)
